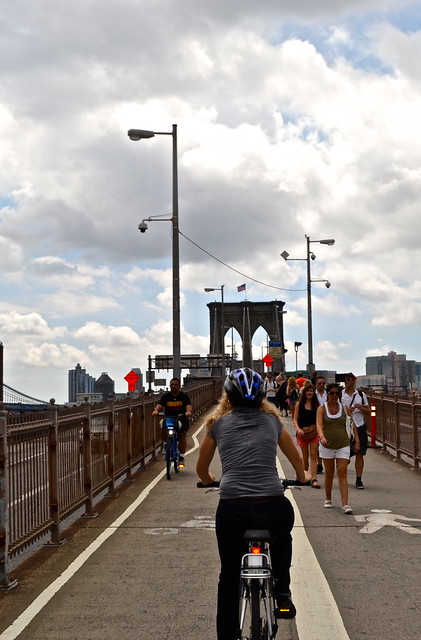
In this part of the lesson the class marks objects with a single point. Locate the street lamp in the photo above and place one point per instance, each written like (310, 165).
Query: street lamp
(296, 345)
(310, 256)
(221, 289)
(140, 134)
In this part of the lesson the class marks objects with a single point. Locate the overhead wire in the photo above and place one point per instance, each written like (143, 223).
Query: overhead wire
(265, 284)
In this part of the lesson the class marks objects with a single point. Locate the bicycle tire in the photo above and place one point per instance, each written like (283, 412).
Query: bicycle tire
(256, 622)
(169, 457)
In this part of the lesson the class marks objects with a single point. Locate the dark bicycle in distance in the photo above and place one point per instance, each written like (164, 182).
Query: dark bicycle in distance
(170, 427)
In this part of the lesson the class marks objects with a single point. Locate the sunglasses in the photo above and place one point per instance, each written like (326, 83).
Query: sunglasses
(334, 393)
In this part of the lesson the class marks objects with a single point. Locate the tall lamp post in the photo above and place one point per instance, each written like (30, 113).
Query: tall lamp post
(140, 134)
(296, 346)
(310, 256)
(221, 289)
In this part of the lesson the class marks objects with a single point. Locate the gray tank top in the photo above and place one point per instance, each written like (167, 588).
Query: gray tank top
(247, 440)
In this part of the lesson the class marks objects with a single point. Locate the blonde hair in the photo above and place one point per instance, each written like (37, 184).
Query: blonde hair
(292, 383)
(224, 407)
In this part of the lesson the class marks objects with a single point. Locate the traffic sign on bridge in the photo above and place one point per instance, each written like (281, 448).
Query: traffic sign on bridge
(131, 379)
(268, 360)
(275, 349)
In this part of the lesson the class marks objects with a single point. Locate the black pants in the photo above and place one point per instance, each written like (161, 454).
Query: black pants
(283, 404)
(233, 517)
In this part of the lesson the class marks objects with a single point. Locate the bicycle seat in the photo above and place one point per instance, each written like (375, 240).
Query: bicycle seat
(262, 535)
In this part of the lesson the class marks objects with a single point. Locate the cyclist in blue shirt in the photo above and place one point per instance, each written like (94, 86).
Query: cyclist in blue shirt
(247, 429)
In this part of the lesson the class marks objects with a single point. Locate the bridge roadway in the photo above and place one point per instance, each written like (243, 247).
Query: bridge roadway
(147, 566)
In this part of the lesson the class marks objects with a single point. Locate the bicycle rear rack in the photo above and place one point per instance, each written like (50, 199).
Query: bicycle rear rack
(255, 566)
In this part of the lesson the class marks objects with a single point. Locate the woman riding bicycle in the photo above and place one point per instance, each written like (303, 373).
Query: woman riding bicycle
(247, 429)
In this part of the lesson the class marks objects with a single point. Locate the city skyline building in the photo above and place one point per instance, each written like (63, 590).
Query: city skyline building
(398, 372)
(79, 382)
(105, 385)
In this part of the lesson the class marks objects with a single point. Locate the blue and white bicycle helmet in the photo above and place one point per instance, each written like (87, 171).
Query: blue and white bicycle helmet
(244, 387)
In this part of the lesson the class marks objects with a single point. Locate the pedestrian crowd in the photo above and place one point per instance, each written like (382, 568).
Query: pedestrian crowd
(330, 424)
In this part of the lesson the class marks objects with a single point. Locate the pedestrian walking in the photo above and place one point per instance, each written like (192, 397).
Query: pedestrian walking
(305, 425)
(293, 393)
(270, 388)
(301, 380)
(281, 394)
(334, 447)
(321, 395)
(357, 403)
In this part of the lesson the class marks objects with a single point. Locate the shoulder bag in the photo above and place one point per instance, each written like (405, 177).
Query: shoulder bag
(309, 432)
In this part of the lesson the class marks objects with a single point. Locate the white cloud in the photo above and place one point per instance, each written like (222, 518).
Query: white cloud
(108, 335)
(292, 120)
(28, 324)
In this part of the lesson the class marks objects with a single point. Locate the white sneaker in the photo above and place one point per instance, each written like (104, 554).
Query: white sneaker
(346, 508)
(328, 504)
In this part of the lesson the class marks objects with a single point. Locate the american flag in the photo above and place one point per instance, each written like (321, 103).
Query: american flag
(242, 287)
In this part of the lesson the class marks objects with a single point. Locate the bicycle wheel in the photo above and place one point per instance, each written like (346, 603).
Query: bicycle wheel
(256, 623)
(168, 457)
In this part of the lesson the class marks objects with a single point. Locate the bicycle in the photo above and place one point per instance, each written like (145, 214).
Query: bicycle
(171, 451)
(257, 603)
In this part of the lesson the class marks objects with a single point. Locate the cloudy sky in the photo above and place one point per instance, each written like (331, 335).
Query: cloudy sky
(293, 119)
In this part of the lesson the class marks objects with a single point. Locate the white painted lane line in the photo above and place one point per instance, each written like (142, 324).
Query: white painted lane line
(321, 619)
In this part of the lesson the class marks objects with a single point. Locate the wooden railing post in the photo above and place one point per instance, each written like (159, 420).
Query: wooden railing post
(5, 582)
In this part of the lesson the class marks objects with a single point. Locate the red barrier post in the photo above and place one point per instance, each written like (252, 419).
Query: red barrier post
(373, 428)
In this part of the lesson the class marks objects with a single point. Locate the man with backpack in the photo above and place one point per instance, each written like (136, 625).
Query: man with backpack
(270, 387)
(357, 402)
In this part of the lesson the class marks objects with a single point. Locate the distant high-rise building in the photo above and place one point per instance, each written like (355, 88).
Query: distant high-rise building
(105, 385)
(398, 371)
(79, 382)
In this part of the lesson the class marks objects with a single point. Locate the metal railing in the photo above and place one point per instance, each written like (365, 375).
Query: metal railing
(397, 425)
(58, 463)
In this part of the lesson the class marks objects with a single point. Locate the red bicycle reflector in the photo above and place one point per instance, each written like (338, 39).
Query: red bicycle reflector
(256, 550)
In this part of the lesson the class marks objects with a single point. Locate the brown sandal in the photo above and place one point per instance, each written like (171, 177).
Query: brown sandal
(315, 484)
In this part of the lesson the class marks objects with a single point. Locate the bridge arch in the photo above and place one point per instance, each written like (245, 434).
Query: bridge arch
(246, 317)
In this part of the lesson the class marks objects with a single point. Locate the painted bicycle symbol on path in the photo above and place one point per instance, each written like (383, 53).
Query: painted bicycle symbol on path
(379, 518)
(374, 521)
(198, 522)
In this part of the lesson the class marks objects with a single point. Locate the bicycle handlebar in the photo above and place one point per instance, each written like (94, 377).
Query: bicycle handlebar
(200, 484)
(294, 483)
